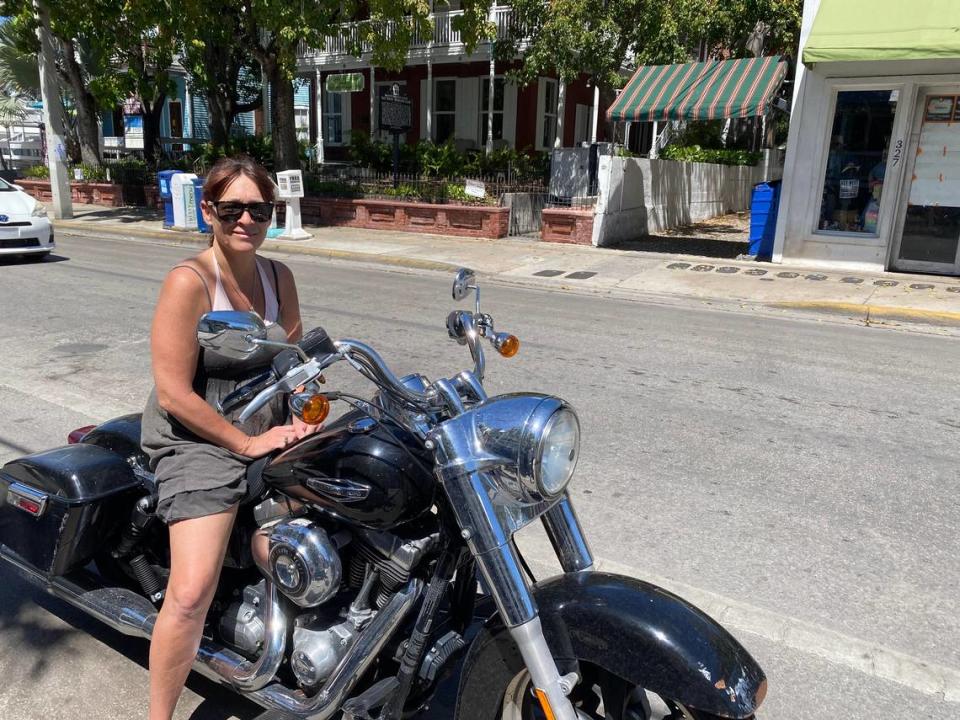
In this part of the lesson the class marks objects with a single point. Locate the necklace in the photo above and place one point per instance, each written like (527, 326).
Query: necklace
(236, 288)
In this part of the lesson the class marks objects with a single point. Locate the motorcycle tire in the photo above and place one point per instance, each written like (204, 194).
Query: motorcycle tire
(600, 695)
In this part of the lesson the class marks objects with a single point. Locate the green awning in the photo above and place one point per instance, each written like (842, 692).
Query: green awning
(884, 30)
(700, 91)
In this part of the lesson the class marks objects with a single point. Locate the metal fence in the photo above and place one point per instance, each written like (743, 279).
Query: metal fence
(352, 181)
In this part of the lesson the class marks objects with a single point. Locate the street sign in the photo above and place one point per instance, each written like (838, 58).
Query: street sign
(344, 83)
(395, 113)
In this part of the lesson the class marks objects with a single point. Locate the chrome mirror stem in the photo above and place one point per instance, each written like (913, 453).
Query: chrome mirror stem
(285, 346)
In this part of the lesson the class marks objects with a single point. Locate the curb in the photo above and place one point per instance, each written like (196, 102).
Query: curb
(869, 313)
(177, 237)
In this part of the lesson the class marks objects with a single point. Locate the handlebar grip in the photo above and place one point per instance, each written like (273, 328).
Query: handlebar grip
(317, 343)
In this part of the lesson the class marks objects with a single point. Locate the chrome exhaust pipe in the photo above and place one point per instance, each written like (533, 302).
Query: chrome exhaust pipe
(132, 614)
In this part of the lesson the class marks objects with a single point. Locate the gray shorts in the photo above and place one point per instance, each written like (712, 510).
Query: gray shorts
(199, 479)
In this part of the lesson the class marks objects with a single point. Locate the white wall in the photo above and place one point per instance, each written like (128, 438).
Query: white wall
(638, 196)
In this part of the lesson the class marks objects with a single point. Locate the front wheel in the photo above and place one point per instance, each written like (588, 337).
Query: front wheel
(598, 696)
(500, 689)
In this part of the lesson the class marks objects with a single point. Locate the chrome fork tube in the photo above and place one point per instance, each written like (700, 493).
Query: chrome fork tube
(501, 571)
(566, 535)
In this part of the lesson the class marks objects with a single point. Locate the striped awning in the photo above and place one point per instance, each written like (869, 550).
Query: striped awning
(700, 91)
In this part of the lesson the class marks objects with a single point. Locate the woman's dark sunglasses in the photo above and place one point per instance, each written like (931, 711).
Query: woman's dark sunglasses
(230, 211)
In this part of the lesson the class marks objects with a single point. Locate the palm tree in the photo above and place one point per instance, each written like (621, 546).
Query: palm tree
(20, 83)
(12, 110)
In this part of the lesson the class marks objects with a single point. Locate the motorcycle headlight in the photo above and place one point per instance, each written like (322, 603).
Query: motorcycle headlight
(557, 453)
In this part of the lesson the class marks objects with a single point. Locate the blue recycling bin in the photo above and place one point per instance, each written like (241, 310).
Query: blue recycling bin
(763, 218)
(198, 195)
(163, 182)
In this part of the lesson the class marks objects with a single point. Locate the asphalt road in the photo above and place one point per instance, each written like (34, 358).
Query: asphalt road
(798, 476)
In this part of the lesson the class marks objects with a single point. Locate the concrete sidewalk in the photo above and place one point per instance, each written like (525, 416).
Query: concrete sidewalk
(920, 301)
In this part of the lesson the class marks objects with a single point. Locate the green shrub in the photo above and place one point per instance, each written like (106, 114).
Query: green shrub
(36, 172)
(695, 153)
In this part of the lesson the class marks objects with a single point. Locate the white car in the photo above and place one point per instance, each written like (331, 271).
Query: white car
(24, 226)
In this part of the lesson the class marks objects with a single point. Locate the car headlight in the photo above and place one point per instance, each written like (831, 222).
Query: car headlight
(39, 210)
(557, 454)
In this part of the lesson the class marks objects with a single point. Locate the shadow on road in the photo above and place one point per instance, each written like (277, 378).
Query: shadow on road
(681, 245)
(10, 260)
(31, 637)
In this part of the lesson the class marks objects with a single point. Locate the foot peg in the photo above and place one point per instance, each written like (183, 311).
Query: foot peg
(373, 698)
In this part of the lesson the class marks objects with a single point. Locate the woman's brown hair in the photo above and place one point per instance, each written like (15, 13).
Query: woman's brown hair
(226, 170)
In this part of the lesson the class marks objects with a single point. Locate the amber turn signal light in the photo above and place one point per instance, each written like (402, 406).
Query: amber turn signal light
(315, 410)
(507, 345)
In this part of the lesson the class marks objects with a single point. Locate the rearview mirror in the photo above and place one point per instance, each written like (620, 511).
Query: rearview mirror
(463, 283)
(231, 333)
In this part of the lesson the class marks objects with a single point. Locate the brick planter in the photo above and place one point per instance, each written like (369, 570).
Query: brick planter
(567, 226)
(459, 220)
(92, 193)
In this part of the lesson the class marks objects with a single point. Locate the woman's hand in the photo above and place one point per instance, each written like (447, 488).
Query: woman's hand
(276, 438)
(302, 429)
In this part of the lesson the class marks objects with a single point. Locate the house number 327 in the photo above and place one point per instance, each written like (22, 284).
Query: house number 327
(897, 152)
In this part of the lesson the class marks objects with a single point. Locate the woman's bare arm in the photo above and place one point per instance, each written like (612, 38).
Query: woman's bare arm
(175, 350)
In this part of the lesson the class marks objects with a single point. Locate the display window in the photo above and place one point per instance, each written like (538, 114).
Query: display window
(857, 161)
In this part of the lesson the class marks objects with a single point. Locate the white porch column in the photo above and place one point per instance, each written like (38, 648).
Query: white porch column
(656, 139)
(561, 101)
(373, 104)
(490, 105)
(596, 110)
(626, 134)
(319, 118)
(429, 93)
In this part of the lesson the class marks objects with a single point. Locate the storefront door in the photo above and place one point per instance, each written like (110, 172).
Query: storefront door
(929, 240)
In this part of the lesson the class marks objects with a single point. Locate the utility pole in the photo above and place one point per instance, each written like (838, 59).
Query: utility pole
(56, 148)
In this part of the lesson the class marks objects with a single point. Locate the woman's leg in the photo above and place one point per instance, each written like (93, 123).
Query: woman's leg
(197, 547)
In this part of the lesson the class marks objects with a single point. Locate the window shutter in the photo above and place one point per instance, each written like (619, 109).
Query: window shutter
(510, 113)
(468, 109)
(541, 89)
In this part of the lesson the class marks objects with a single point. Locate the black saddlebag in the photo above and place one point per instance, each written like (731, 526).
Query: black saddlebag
(59, 506)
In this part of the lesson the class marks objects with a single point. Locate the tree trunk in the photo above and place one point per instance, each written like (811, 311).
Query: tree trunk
(88, 130)
(219, 120)
(286, 151)
(151, 128)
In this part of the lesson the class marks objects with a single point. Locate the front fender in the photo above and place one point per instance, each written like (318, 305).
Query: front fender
(643, 634)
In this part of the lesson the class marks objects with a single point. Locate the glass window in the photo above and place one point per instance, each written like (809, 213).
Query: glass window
(333, 118)
(497, 108)
(549, 113)
(445, 110)
(857, 163)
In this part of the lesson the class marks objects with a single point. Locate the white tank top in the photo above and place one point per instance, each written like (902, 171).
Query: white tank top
(271, 309)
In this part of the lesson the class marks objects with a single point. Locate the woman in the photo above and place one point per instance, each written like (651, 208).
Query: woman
(198, 456)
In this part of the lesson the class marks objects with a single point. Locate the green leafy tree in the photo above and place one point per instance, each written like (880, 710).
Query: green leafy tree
(748, 28)
(274, 30)
(20, 78)
(221, 66)
(600, 37)
(143, 36)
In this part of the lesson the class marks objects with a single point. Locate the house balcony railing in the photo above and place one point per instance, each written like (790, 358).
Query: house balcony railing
(346, 42)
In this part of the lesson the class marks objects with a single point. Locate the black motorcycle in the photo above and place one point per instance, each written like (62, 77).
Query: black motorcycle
(390, 585)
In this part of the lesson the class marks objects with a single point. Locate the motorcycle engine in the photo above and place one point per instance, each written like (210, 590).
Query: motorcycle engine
(303, 561)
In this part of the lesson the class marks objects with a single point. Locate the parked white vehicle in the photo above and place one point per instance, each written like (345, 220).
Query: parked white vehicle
(24, 226)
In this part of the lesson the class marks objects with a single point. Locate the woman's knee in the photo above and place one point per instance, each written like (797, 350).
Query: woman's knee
(189, 598)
